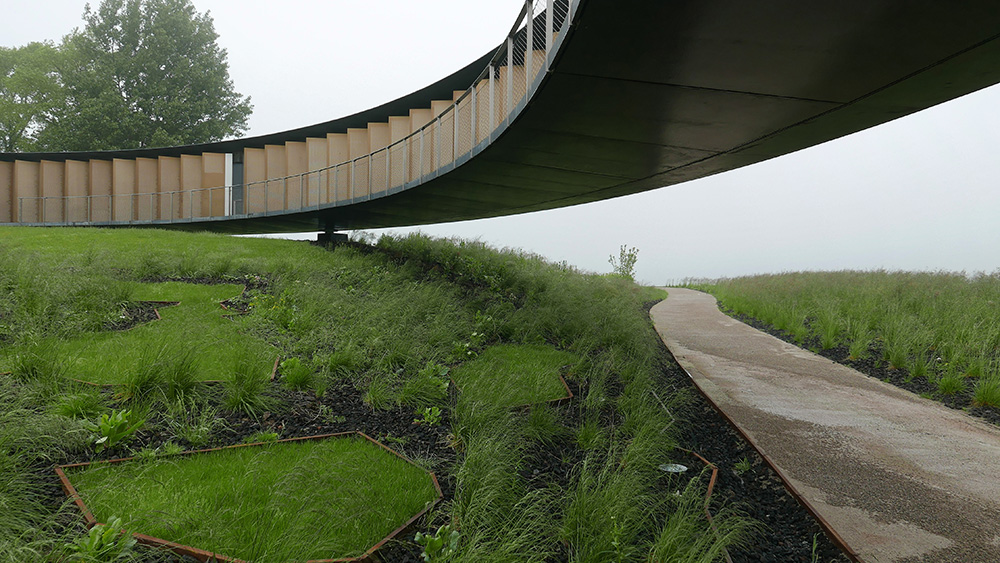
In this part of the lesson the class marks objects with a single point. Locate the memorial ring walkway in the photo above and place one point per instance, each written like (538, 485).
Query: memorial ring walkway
(899, 478)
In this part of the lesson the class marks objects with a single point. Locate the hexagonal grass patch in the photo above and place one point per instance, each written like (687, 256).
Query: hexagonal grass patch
(514, 375)
(194, 334)
(337, 497)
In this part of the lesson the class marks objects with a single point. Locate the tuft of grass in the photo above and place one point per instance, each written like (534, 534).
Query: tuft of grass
(543, 425)
(379, 395)
(428, 388)
(987, 393)
(590, 435)
(514, 375)
(192, 421)
(246, 385)
(296, 374)
(951, 383)
(82, 405)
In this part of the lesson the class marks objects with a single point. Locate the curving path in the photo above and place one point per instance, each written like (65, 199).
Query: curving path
(899, 478)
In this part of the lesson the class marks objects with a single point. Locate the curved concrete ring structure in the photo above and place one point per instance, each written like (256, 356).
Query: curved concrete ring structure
(584, 100)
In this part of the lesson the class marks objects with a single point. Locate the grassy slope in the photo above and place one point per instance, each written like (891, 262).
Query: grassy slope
(386, 322)
(939, 326)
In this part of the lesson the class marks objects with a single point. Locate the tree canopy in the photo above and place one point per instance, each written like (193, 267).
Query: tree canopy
(30, 92)
(140, 73)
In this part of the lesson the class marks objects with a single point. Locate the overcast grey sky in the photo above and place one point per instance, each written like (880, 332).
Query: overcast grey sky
(917, 193)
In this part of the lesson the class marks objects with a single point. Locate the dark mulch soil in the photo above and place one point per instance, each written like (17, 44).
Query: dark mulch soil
(874, 366)
(133, 314)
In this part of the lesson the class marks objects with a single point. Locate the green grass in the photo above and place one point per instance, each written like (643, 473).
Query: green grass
(147, 355)
(280, 502)
(939, 326)
(514, 375)
(387, 320)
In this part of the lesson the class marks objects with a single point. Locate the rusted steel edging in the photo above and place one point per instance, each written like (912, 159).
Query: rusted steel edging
(369, 556)
(827, 527)
(708, 496)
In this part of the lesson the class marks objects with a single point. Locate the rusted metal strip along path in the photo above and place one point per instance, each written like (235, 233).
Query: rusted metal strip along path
(899, 478)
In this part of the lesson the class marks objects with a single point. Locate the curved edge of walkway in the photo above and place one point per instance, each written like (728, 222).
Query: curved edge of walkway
(700, 381)
(890, 476)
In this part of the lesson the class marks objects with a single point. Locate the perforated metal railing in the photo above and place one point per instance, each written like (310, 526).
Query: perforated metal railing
(451, 137)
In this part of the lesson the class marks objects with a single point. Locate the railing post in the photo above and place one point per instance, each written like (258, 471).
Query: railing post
(354, 177)
(406, 161)
(454, 136)
(509, 109)
(493, 106)
(549, 25)
(474, 120)
(422, 153)
(388, 169)
(530, 46)
(370, 155)
(437, 144)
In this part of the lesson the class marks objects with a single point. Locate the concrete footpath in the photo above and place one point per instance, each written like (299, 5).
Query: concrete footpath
(900, 478)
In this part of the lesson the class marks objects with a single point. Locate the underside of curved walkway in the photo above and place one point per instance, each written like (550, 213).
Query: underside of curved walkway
(594, 99)
(899, 478)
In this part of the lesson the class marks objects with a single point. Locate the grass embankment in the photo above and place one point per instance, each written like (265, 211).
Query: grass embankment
(390, 322)
(284, 501)
(940, 327)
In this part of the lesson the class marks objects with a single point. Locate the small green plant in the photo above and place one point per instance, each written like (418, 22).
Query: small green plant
(379, 395)
(261, 437)
(191, 421)
(590, 435)
(79, 405)
(428, 388)
(440, 546)
(742, 466)
(951, 383)
(624, 264)
(296, 374)
(103, 542)
(430, 416)
(987, 393)
(115, 428)
(170, 448)
(246, 385)
(327, 416)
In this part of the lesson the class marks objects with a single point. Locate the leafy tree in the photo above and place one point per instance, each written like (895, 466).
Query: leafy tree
(145, 73)
(29, 93)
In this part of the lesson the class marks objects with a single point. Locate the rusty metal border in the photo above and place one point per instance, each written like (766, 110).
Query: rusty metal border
(369, 556)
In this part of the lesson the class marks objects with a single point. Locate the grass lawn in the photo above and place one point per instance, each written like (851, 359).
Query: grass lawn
(514, 375)
(196, 327)
(285, 501)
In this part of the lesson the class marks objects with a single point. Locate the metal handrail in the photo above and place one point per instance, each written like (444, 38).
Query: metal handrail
(519, 39)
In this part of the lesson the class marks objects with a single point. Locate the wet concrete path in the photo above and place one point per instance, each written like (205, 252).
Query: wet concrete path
(900, 478)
